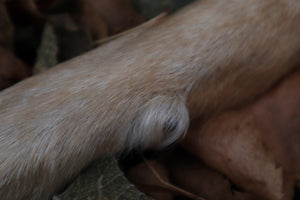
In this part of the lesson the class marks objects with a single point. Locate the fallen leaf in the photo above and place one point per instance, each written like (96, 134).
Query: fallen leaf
(12, 69)
(6, 29)
(47, 52)
(71, 39)
(101, 18)
(46, 5)
(193, 175)
(257, 147)
(28, 26)
(24, 12)
(152, 8)
(144, 179)
(102, 181)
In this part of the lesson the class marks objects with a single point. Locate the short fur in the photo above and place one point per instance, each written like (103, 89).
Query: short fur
(141, 90)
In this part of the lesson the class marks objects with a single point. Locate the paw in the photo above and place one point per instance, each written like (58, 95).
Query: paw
(160, 122)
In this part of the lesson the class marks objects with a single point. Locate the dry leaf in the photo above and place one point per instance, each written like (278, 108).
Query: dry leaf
(106, 17)
(12, 69)
(24, 12)
(72, 40)
(191, 174)
(257, 147)
(6, 29)
(102, 181)
(144, 179)
(46, 5)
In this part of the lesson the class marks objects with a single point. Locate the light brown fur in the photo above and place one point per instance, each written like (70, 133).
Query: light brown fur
(142, 89)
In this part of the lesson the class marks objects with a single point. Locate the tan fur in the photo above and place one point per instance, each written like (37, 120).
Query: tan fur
(141, 89)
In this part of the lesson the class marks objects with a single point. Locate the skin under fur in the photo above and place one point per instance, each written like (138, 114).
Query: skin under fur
(141, 90)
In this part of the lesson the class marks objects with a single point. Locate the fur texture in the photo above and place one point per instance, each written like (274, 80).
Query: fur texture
(141, 90)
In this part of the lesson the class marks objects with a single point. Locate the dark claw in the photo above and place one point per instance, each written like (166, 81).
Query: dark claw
(170, 126)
